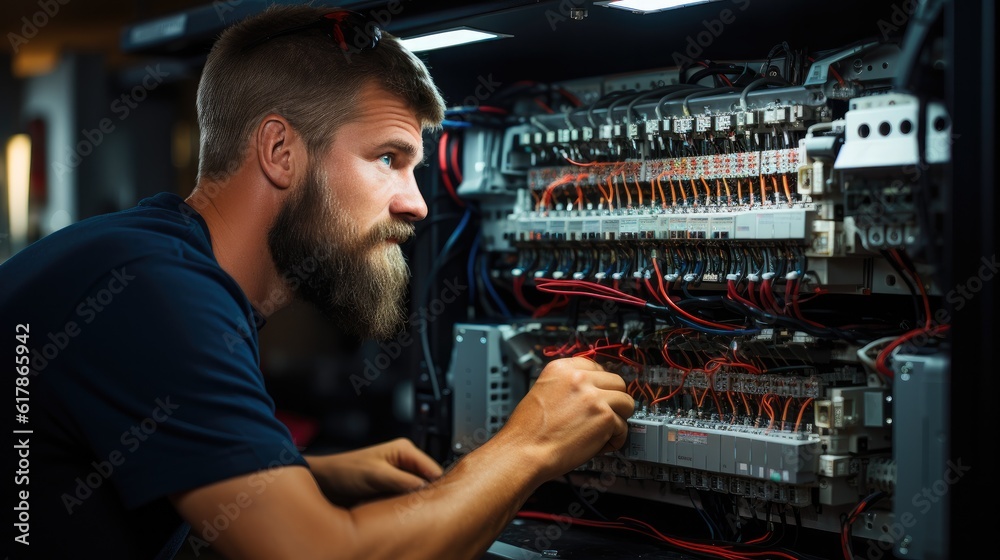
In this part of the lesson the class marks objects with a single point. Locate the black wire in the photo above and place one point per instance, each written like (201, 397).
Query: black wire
(630, 113)
(675, 95)
(702, 511)
(917, 306)
(440, 262)
(609, 97)
(864, 505)
(438, 218)
(717, 70)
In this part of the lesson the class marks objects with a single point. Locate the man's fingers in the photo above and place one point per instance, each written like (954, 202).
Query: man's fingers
(618, 437)
(580, 362)
(622, 403)
(411, 459)
(401, 481)
(609, 381)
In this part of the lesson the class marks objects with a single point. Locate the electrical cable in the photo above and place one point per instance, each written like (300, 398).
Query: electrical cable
(471, 265)
(491, 289)
(756, 84)
(425, 300)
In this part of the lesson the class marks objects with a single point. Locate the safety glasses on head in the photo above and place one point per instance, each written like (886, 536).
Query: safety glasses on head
(351, 31)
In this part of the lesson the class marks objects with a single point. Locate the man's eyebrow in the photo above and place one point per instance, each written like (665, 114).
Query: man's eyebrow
(401, 146)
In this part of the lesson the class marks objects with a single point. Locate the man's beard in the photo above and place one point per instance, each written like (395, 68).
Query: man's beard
(356, 280)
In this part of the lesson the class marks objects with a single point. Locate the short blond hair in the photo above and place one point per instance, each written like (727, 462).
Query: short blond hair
(302, 76)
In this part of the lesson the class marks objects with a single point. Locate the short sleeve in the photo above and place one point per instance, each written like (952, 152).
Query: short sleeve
(166, 380)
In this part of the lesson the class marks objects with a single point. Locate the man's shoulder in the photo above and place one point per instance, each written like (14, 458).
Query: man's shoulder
(155, 238)
(163, 220)
(157, 228)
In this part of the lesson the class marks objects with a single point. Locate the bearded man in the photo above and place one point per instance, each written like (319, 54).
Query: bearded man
(150, 427)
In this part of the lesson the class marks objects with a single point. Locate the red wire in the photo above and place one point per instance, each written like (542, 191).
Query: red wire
(544, 107)
(793, 286)
(519, 293)
(699, 320)
(557, 302)
(569, 95)
(733, 294)
(654, 292)
(491, 109)
(455, 166)
(581, 287)
(882, 361)
(752, 294)
(443, 164)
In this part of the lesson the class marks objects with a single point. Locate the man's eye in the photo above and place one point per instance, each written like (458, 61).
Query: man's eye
(386, 159)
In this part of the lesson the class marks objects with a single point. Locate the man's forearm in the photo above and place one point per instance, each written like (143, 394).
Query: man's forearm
(457, 516)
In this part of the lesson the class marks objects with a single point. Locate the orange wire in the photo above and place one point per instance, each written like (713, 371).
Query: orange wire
(788, 191)
(746, 404)
(583, 164)
(798, 419)
(774, 187)
(784, 413)
(638, 188)
(628, 193)
(611, 193)
(763, 189)
(770, 410)
(604, 194)
(649, 389)
(663, 197)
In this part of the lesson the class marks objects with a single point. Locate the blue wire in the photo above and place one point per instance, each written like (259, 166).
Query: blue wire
(455, 234)
(456, 124)
(424, 338)
(488, 282)
(470, 267)
(460, 110)
(704, 516)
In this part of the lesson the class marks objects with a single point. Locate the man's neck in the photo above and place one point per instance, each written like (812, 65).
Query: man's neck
(238, 220)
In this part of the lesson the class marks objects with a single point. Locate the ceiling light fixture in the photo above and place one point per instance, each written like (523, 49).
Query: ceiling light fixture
(650, 6)
(449, 38)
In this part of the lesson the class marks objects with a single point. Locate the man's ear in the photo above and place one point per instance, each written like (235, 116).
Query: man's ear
(280, 150)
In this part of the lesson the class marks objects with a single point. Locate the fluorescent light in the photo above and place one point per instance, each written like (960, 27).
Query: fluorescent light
(448, 38)
(650, 6)
(18, 180)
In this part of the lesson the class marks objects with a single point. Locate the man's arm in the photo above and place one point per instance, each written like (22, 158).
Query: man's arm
(376, 471)
(574, 411)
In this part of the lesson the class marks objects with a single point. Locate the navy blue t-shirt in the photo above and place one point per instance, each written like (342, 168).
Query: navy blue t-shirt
(144, 381)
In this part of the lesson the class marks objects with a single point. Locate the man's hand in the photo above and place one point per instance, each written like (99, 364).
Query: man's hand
(393, 467)
(574, 411)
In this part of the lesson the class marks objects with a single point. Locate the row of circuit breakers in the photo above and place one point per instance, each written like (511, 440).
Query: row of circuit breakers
(739, 196)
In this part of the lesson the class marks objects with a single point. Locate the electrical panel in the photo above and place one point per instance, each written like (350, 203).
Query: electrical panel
(752, 244)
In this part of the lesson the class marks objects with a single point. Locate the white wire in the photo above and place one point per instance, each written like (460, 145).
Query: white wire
(869, 361)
